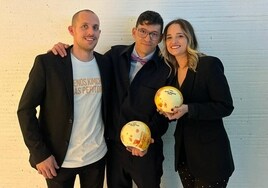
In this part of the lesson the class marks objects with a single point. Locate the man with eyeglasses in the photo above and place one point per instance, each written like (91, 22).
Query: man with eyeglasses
(136, 83)
(139, 71)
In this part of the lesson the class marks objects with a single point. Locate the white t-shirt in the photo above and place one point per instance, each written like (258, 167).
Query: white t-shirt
(87, 144)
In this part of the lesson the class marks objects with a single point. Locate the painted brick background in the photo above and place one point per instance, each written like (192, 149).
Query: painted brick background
(235, 31)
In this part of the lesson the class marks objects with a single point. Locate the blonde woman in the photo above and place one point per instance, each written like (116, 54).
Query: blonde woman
(202, 150)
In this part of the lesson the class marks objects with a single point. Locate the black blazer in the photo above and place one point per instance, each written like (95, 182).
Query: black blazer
(135, 100)
(201, 131)
(50, 86)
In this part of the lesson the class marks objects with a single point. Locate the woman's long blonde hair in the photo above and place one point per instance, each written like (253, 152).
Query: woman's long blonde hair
(192, 52)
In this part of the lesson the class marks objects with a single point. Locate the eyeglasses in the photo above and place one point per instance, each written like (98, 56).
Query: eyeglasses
(143, 34)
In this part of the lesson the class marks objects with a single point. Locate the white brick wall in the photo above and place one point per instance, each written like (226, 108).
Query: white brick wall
(235, 31)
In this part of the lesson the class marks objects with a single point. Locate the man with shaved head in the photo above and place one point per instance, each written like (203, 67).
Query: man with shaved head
(67, 139)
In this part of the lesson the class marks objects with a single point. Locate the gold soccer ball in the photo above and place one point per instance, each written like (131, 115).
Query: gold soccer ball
(167, 98)
(136, 134)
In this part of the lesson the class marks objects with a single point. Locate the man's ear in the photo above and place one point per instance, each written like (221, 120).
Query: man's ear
(133, 31)
(71, 31)
(160, 38)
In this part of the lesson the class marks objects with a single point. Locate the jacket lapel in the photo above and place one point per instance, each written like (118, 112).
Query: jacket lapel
(188, 85)
(67, 74)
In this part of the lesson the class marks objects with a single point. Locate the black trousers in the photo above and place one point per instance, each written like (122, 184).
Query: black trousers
(90, 176)
(189, 181)
(123, 167)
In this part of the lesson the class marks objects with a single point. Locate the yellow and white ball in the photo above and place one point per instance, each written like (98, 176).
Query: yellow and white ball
(136, 134)
(167, 98)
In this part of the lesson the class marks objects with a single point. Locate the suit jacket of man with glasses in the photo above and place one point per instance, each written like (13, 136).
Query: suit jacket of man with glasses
(135, 101)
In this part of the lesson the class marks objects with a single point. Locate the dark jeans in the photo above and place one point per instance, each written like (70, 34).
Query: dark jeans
(90, 176)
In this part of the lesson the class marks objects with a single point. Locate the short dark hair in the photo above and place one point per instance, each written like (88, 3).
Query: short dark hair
(150, 18)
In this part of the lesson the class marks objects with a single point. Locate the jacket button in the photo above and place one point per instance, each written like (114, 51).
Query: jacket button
(70, 121)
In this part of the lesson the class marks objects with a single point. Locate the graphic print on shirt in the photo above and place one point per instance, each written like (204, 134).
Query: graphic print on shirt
(87, 86)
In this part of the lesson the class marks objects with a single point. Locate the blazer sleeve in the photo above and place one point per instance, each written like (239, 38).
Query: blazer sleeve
(158, 126)
(217, 100)
(31, 98)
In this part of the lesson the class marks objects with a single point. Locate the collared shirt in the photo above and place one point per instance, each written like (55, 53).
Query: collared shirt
(136, 66)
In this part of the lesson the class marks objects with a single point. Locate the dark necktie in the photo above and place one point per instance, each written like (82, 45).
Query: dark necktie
(138, 59)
